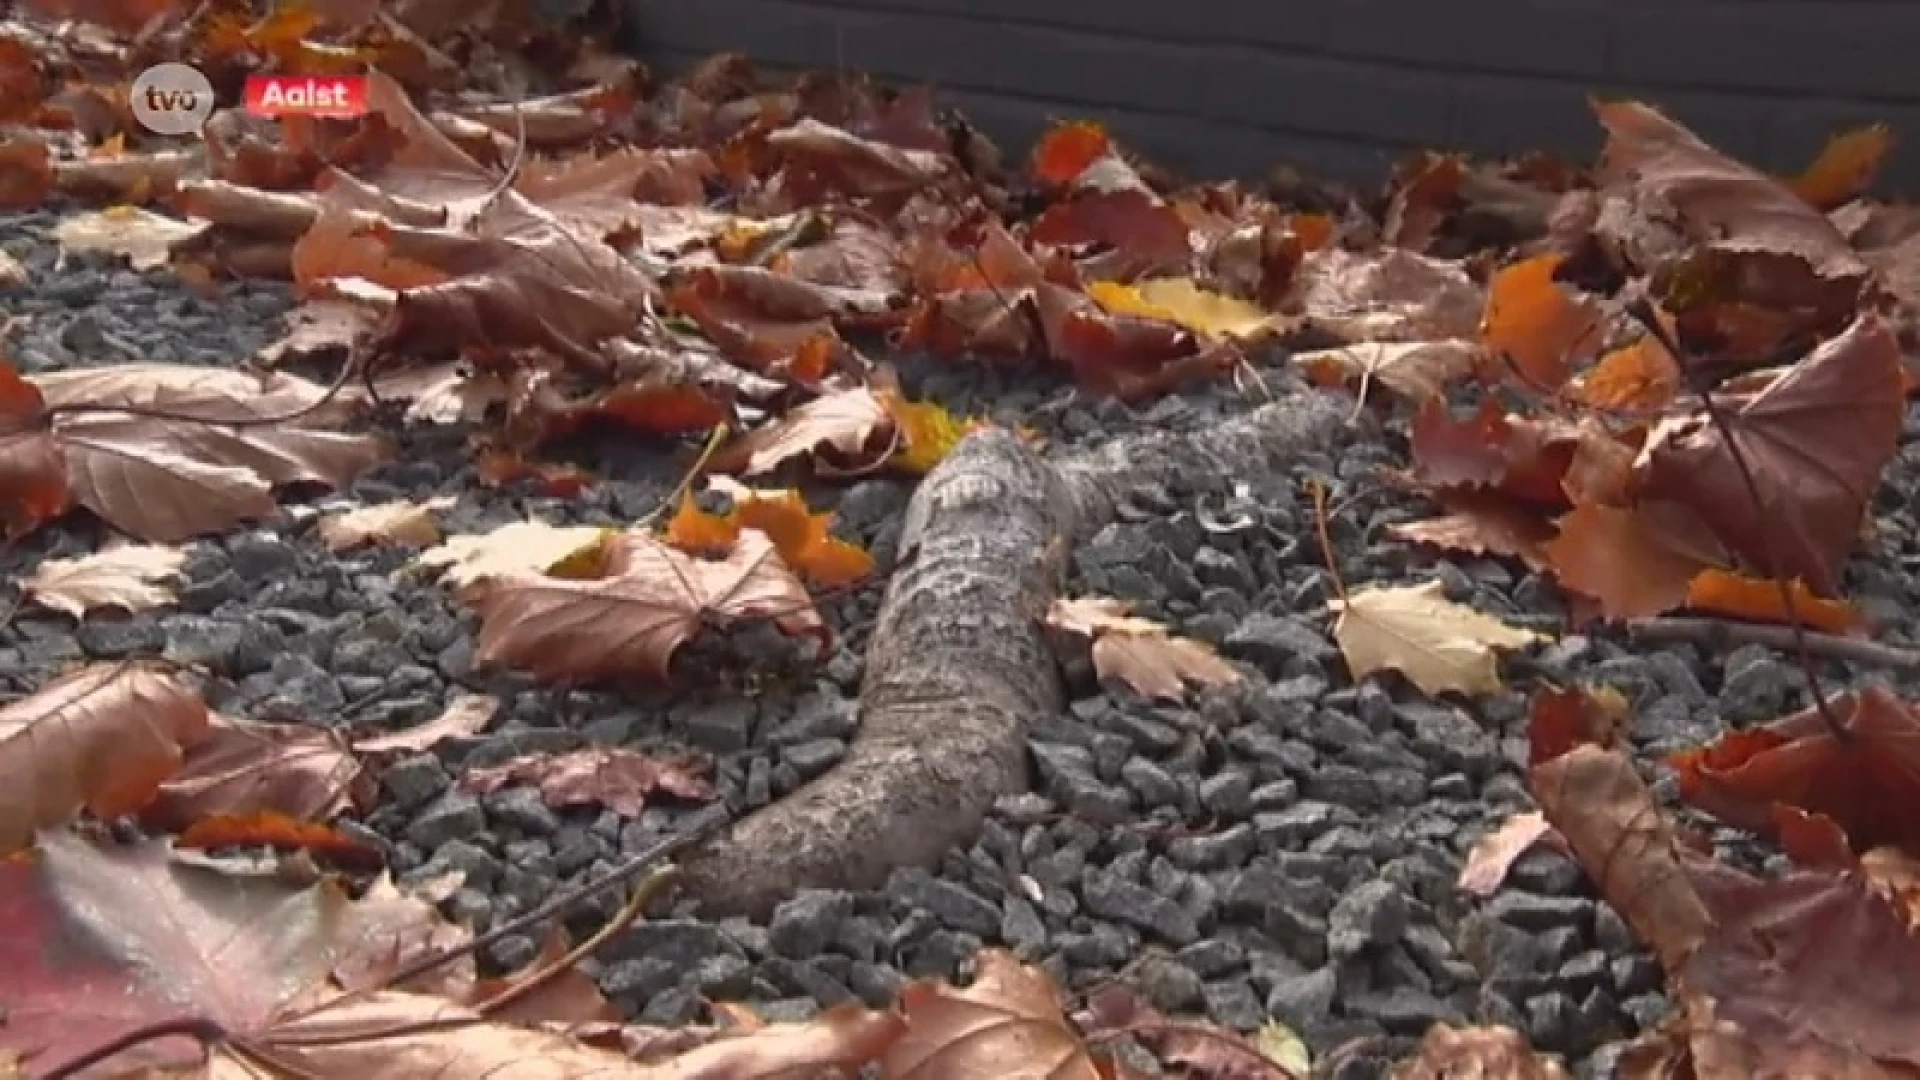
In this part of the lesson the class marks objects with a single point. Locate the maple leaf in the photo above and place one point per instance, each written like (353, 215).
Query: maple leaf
(825, 158)
(104, 737)
(243, 768)
(630, 621)
(465, 714)
(803, 538)
(1387, 295)
(1483, 525)
(1641, 377)
(1520, 457)
(614, 777)
(927, 432)
(1867, 778)
(1533, 323)
(408, 524)
(1624, 560)
(1180, 301)
(1440, 646)
(146, 239)
(127, 577)
(1416, 370)
(1815, 439)
(845, 422)
(1007, 1024)
(1494, 853)
(388, 928)
(1492, 1053)
(167, 480)
(1141, 653)
(465, 561)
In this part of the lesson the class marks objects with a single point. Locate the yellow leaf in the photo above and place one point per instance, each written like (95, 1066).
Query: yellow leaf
(1844, 168)
(1139, 652)
(1181, 302)
(126, 577)
(927, 431)
(1438, 645)
(802, 537)
(465, 561)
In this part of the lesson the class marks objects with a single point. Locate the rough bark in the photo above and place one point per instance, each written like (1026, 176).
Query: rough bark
(959, 662)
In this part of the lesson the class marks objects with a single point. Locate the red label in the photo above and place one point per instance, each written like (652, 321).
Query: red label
(307, 95)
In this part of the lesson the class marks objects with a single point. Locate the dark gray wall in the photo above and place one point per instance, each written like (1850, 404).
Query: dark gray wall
(1231, 87)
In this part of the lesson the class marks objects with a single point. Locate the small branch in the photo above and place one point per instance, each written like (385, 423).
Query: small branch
(655, 884)
(1715, 633)
(206, 1031)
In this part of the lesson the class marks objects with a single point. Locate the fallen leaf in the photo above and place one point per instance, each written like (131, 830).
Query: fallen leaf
(1543, 330)
(168, 480)
(146, 239)
(1623, 560)
(1725, 593)
(1386, 295)
(128, 577)
(388, 928)
(1494, 853)
(630, 621)
(1183, 303)
(406, 524)
(1141, 653)
(1642, 377)
(614, 777)
(1483, 525)
(846, 422)
(1844, 168)
(1560, 719)
(1440, 646)
(1815, 440)
(927, 432)
(464, 561)
(1415, 370)
(105, 737)
(326, 845)
(803, 538)
(243, 768)
(1007, 1025)
(1477, 1053)
(1866, 777)
(465, 714)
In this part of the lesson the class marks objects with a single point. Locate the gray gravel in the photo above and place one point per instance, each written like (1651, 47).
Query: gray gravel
(1283, 851)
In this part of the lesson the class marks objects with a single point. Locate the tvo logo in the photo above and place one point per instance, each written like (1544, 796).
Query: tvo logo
(171, 99)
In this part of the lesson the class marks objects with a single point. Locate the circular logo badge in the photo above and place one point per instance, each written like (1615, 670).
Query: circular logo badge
(171, 99)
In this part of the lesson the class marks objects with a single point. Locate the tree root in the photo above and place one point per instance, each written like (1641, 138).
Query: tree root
(959, 663)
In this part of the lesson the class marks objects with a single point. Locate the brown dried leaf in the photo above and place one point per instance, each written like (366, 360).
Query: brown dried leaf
(1816, 440)
(1494, 853)
(1623, 560)
(614, 777)
(1416, 370)
(387, 929)
(1386, 295)
(244, 768)
(464, 561)
(1483, 525)
(847, 422)
(1007, 1025)
(1139, 652)
(1478, 1053)
(146, 239)
(165, 481)
(630, 622)
(407, 524)
(104, 737)
(127, 577)
(466, 714)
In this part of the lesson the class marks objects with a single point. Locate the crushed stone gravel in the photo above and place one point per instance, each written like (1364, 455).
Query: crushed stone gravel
(1286, 850)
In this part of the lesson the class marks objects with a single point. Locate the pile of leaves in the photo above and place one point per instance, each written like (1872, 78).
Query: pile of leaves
(1682, 379)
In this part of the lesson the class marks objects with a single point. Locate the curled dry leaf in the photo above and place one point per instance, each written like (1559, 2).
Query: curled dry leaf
(1815, 439)
(146, 239)
(1141, 653)
(1493, 854)
(1483, 525)
(1623, 560)
(464, 561)
(167, 480)
(846, 422)
(1415, 370)
(1183, 303)
(128, 577)
(407, 524)
(1440, 646)
(614, 777)
(1742, 597)
(466, 714)
(1008, 1024)
(1560, 719)
(1844, 168)
(1389, 295)
(105, 737)
(629, 622)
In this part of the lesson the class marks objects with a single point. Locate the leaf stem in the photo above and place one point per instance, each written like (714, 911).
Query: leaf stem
(205, 1031)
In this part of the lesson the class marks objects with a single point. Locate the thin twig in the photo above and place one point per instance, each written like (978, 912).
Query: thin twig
(1713, 633)
(655, 883)
(207, 1032)
(1326, 541)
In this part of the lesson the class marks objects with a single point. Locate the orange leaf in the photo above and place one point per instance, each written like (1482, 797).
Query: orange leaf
(927, 431)
(1845, 166)
(802, 537)
(270, 828)
(1065, 152)
(1559, 720)
(1866, 777)
(1725, 593)
(1536, 323)
(33, 471)
(1637, 378)
(1484, 525)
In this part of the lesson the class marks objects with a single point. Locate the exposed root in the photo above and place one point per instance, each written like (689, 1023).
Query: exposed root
(959, 663)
